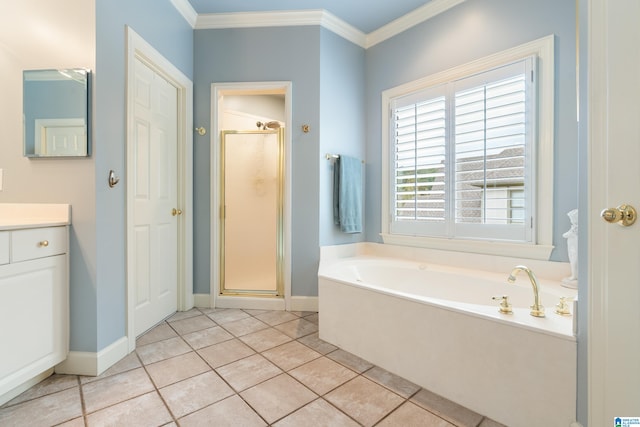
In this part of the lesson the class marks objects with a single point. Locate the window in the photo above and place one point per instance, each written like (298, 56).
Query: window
(458, 148)
(462, 150)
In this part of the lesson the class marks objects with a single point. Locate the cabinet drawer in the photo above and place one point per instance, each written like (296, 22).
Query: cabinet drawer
(4, 247)
(38, 243)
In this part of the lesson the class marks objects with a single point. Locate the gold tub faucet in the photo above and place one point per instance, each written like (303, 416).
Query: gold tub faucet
(537, 309)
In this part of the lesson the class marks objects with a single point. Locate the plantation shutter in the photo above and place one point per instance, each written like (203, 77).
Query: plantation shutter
(462, 157)
(420, 138)
(419, 158)
(490, 147)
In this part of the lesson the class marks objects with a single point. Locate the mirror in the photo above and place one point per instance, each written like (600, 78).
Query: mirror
(55, 113)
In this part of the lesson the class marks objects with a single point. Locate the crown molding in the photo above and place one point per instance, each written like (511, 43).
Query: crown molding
(259, 19)
(289, 18)
(343, 29)
(312, 17)
(418, 16)
(186, 10)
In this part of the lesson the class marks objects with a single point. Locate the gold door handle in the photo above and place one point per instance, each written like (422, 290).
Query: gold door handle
(43, 244)
(625, 215)
(175, 212)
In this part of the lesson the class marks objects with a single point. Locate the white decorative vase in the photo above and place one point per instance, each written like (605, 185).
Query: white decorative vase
(572, 249)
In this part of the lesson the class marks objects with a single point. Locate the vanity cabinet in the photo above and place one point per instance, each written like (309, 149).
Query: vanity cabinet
(34, 303)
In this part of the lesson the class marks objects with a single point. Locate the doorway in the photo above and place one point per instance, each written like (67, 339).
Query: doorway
(159, 187)
(250, 195)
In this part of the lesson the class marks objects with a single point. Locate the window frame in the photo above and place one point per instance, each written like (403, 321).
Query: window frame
(541, 243)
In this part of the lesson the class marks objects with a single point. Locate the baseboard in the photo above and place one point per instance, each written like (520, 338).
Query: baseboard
(250, 303)
(93, 364)
(202, 300)
(296, 303)
(304, 304)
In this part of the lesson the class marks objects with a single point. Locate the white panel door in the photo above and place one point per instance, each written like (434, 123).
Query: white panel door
(155, 186)
(614, 179)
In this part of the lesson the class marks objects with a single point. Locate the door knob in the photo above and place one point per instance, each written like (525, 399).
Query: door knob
(624, 214)
(175, 212)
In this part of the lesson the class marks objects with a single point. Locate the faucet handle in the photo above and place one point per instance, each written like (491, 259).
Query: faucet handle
(505, 307)
(562, 308)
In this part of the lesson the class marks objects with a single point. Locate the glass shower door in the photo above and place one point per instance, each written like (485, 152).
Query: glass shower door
(252, 206)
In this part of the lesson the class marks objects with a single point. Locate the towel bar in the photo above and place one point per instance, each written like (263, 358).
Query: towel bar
(330, 156)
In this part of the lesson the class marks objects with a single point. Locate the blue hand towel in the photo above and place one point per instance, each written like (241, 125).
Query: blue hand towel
(347, 194)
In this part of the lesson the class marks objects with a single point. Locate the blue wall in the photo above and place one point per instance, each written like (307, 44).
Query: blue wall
(469, 31)
(98, 305)
(326, 72)
(257, 55)
(342, 122)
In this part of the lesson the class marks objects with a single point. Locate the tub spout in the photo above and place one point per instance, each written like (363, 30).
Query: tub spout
(537, 309)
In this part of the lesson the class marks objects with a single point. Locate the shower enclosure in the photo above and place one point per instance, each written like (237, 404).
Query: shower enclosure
(252, 203)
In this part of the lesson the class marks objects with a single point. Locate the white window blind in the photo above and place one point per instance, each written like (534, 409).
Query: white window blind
(490, 125)
(462, 156)
(419, 160)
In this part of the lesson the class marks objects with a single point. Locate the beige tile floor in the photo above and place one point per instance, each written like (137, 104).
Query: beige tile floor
(229, 367)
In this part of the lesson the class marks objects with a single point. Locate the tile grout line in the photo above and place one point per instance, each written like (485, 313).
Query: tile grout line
(83, 405)
(157, 390)
(256, 352)
(318, 396)
(7, 404)
(235, 393)
(143, 366)
(87, 414)
(283, 372)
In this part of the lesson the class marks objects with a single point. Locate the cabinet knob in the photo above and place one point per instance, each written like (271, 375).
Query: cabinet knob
(43, 244)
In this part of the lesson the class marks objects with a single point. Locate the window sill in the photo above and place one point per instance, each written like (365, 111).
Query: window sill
(486, 247)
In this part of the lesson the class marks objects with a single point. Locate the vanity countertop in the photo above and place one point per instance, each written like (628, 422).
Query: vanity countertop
(33, 215)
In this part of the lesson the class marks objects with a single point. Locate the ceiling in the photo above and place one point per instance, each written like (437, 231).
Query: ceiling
(365, 15)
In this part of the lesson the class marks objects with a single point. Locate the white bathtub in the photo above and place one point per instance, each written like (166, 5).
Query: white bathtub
(436, 325)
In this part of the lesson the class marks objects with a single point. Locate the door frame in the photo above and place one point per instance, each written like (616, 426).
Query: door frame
(138, 48)
(248, 88)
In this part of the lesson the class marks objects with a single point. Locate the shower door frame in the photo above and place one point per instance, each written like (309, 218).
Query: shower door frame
(279, 291)
(215, 299)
